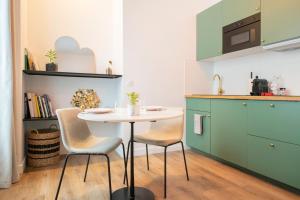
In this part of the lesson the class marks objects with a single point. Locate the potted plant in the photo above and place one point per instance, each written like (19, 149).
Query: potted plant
(133, 107)
(51, 55)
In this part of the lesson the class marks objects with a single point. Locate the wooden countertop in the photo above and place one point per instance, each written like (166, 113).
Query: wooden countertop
(246, 97)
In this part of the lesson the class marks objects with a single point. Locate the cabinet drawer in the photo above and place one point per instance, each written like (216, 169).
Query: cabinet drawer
(198, 104)
(277, 160)
(200, 142)
(276, 120)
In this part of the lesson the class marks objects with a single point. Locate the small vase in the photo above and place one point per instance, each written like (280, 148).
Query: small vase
(133, 110)
(51, 67)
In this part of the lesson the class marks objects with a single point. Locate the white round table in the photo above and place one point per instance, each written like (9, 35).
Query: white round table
(121, 115)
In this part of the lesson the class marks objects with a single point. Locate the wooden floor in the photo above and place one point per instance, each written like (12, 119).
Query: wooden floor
(210, 180)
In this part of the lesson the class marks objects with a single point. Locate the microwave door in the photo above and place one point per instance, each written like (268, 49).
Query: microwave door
(242, 38)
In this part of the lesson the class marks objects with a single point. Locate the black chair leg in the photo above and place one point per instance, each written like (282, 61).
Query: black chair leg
(147, 154)
(165, 173)
(109, 176)
(126, 162)
(186, 170)
(124, 159)
(87, 167)
(61, 176)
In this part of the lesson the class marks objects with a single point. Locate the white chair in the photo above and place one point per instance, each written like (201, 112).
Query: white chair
(162, 133)
(78, 140)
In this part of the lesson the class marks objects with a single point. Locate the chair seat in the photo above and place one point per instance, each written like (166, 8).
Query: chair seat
(156, 138)
(95, 145)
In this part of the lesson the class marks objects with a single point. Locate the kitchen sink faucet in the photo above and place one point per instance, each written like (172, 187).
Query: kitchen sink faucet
(220, 90)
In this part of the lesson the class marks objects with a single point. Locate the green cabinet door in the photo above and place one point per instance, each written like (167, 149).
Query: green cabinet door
(235, 10)
(199, 142)
(280, 20)
(277, 160)
(278, 120)
(209, 33)
(229, 130)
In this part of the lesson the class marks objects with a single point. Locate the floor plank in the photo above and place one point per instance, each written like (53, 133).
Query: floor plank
(210, 180)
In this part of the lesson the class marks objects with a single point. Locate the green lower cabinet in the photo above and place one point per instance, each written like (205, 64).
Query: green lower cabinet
(229, 130)
(278, 120)
(277, 160)
(199, 142)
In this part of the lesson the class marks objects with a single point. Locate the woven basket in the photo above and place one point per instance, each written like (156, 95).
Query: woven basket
(43, 147)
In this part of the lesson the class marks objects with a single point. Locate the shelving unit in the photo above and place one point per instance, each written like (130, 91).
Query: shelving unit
(39, 119)
(70, 74)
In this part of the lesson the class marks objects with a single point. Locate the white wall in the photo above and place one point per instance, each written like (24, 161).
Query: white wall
(159, 50)
(236, 72)
(90, 22)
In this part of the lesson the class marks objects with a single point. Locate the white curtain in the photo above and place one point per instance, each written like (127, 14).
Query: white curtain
(8, 166)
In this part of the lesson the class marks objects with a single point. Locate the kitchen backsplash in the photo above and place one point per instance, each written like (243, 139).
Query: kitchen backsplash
(236, 72)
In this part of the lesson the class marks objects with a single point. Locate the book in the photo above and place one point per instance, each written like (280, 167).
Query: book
(37, 109)
(26, 107)
(47, 105)
(30, 104)
(44, 106)
(26, 59)
(50, 106)
(41, 106)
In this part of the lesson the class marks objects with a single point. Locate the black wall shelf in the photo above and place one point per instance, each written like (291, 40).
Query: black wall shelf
(39, 119)
(70, 74)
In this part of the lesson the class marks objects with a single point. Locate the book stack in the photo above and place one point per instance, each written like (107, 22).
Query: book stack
(36, 106)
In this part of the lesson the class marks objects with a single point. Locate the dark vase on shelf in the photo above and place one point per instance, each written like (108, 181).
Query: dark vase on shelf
(51, 67)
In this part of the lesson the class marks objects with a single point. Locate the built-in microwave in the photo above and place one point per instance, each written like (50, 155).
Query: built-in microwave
(242, 34)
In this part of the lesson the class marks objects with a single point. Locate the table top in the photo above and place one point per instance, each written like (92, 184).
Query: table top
(121, 115)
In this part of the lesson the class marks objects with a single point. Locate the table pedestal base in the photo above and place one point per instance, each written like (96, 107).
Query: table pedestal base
(140, 194)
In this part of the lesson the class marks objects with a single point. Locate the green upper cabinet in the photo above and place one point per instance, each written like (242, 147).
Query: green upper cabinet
(209, 33)
(235, 10)
(229, 130)
(280, 20)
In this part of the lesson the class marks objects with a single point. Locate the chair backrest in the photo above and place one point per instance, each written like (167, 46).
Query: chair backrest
(72, 128)
(173, 126)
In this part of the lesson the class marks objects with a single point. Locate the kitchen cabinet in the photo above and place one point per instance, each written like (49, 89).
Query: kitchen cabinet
(235, 10)
(229, 130)
(198, 104)
(199, 142)
(260, 135)
(278, 120)
(280, 20)
(277, 160)
(209, 33)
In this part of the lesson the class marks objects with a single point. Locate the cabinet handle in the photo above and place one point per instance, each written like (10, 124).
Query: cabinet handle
(257, 8)
(263, 41)
(244, 104)
(208, 116)
(272, 145)
(272, 105)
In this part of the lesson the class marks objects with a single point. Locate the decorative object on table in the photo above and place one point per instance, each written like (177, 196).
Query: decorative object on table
(43, 146)
(109, 68)
(133, 107)
(51, 66)
(85, 99)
